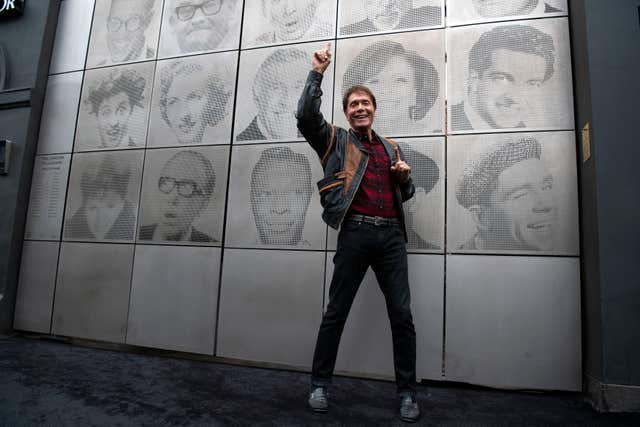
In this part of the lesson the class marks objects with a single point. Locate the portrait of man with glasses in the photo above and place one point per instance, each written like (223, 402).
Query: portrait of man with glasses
(201, 25)
(182, 191)
(126, 23)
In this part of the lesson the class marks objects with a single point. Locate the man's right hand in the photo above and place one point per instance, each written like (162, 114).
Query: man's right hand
(321, 59)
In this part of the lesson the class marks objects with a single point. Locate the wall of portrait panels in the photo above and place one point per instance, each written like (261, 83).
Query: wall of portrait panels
(175, 205)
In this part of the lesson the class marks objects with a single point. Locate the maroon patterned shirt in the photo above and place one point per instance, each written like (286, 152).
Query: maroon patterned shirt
(375, 194)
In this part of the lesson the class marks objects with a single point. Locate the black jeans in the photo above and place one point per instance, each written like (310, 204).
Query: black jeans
(361, 245)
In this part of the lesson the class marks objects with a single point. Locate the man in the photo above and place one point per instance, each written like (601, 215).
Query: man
(184, 188)
(501, 8)
(126, 24)
(276, 97)
(418, 221)
(290, 20)
(280, 195)
(508, 67)
(200, 25)
(193, 98)
(105, 212)
(113, 100)
(388, 15)
(362, 192)
(510, 195)
(405, 83)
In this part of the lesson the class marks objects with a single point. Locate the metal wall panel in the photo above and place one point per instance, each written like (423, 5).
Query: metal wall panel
(270, 305)
(183, 196)
(366, 347)
(513, 322)
(513, 193)
(510, 75)
(124, 31)
(269, 22)
(406, 74)
(59, 113)
(72, 36)
(34, 299)
(193, 100)
(273, 201)
(273, 80)
(194, 27)
(461, 12)
(174, 295)
(46, 201)
(374, 16)
(92, 291)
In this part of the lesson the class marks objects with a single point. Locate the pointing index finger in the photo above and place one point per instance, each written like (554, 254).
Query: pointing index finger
(397, 153)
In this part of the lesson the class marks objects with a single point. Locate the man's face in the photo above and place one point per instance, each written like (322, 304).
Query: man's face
(522, 209)
(126, 25)
(290, 18)
(277, 98)
(186, 103)
(200, 24)
(498, 8)
(360, 111)
(385, 14)
(182, 193)
(279, 200)
(506, 94)
(395, 90)
(114, 114)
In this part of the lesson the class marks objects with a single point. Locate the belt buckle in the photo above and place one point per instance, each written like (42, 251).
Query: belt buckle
(378, 220)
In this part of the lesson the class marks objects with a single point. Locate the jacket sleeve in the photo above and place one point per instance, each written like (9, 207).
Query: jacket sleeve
(315, 129)
(407, 189)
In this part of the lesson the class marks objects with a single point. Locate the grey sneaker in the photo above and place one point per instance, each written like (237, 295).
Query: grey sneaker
(318, 400)
(409, 411)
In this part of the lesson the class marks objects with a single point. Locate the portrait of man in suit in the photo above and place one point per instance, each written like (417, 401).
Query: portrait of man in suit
(193, 98)
(280, 193)
(112, 99)
(388, 15)
(502, 8)
(510, 194)
(126, 24)
(199, 25)
(405, 83)
(105, 212)
(507, 71)
(276, 89)
(183, 190)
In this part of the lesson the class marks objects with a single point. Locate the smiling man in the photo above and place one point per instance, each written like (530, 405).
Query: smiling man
(184, 190)
(290, 20)
(510, 195)
(280, 194)
(200, 25)
(389, 15)
(365, 183)
(508, 68)
(126, 25)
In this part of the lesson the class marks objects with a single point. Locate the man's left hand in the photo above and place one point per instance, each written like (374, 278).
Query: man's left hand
(400, 170)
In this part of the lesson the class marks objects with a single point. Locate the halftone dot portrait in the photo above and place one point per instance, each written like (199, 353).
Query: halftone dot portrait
(510, 76)
(380, 16)
(183, 196)
(103, 198)
(269, 22)
(114, 108)
(404, 71)
(193, 100)
(273, 200)
(513, 193)
(270, 83)
(124, 31)
(192, 26)
(461, 12)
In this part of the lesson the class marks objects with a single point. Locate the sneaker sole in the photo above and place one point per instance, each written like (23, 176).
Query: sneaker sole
(319, 410)
(408, 420)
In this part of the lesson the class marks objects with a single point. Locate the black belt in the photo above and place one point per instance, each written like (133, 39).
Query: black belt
(373, 220)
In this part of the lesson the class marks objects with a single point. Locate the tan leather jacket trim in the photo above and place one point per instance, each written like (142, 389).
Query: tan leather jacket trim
(352, 158)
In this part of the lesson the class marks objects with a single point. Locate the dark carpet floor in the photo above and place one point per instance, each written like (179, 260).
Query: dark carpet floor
(47, 383)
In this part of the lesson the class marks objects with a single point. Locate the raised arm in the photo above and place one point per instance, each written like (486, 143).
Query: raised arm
(315, 129)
